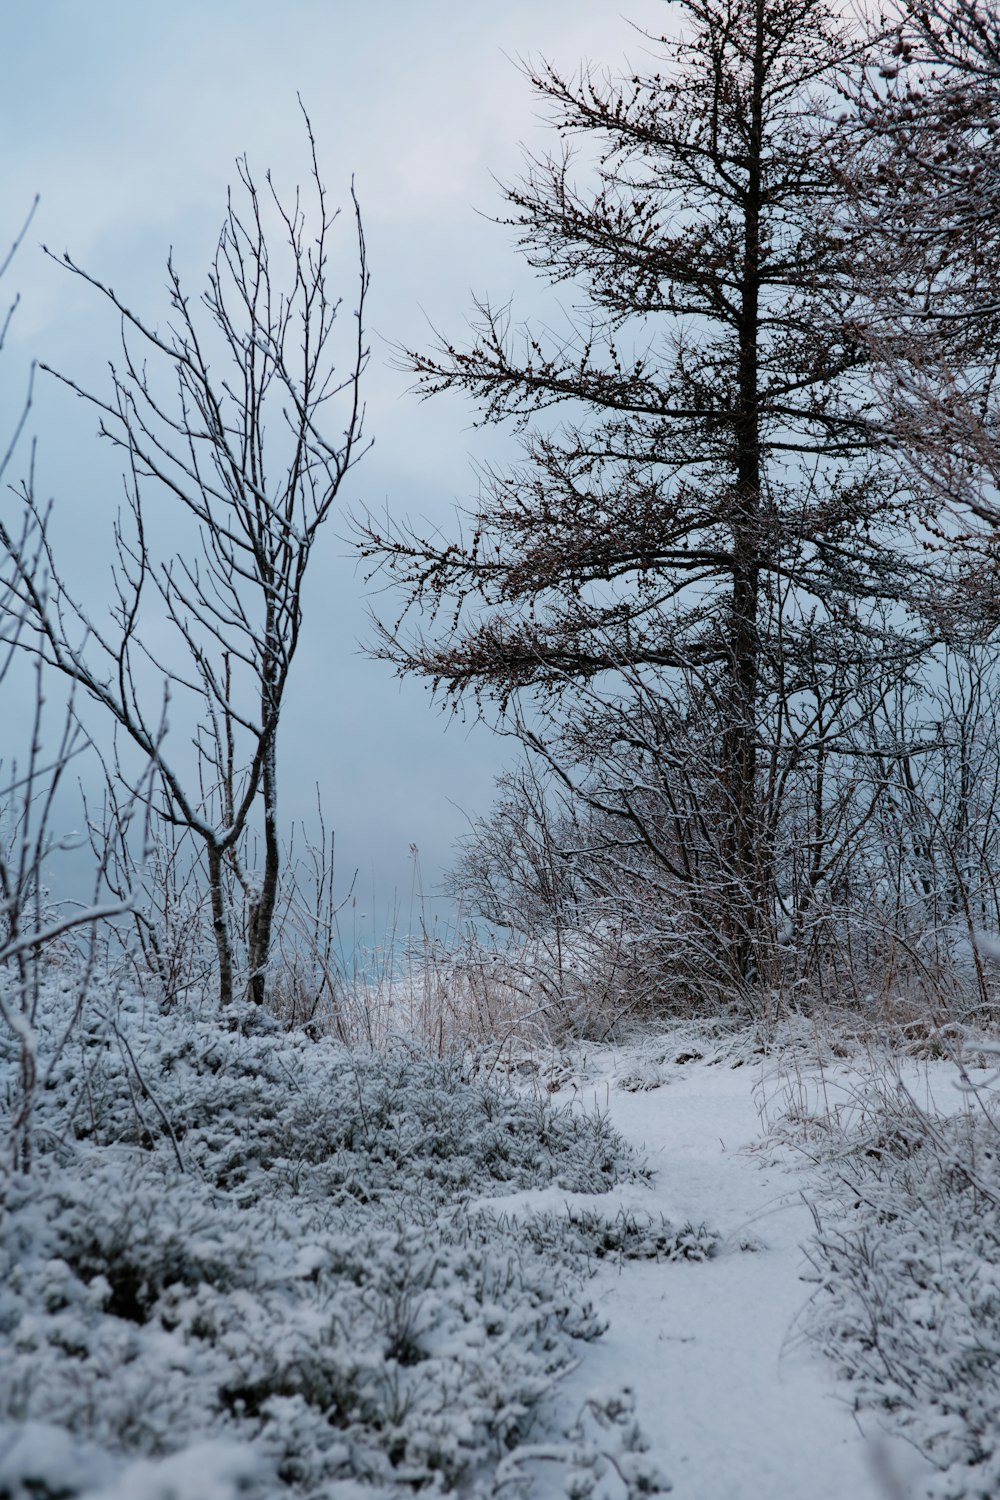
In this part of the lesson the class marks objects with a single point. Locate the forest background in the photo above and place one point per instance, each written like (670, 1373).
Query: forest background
(734, 600)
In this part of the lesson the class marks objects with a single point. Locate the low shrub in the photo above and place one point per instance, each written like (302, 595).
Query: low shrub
(907, 1259)
(253, 1243)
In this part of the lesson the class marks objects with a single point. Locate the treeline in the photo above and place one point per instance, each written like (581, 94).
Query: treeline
(737, 602)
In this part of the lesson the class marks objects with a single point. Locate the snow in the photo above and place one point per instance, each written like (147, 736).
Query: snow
(313, 1272)
(737, 1403)
(733, 1398)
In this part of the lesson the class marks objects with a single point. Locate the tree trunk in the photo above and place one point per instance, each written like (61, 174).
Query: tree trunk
(220, 926)
(262, 913)
(739, 748)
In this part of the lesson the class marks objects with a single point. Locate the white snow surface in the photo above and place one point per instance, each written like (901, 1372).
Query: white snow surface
(393, 1241)
(736, 1403)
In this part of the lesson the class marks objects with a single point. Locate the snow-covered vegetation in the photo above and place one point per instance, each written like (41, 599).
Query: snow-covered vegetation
(247, 1262)
(907, 1257)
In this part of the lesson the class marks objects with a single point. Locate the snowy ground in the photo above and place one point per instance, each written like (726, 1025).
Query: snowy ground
(736, 1403)
(257, 1266)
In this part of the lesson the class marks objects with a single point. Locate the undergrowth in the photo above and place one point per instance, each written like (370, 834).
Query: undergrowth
(247, 1263)
(907, 1260)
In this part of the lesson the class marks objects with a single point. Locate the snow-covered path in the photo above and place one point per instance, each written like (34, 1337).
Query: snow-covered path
(736, 1404)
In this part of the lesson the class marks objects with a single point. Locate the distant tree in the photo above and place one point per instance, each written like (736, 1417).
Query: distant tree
(700, 539)
(224, 416)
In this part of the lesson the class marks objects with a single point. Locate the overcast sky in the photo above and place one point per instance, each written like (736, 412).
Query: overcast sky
(126, 119)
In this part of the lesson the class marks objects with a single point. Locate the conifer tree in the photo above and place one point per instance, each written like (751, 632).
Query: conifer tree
(699, 526)
(922, 178)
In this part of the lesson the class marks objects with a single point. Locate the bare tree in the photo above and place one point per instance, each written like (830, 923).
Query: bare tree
(705, 530)
(35, 931)
(32, 927)
(224, 419)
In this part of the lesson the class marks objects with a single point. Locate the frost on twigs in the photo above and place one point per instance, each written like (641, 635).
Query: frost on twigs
(907, 1258)
(626, 1236)
(250, 1266)
(603, 1455)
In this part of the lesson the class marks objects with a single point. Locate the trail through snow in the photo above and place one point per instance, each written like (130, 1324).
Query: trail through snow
(736, 1403)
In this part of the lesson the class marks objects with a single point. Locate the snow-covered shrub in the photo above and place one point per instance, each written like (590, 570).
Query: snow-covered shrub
(607, 1454)
(627, 1236)
(359, 1347)
(258, 1240)
(907, 1255)
(275, 1112)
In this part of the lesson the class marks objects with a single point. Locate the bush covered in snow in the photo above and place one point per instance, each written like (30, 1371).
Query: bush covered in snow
(626, 1236)
(251, 1264)
(907, 1254)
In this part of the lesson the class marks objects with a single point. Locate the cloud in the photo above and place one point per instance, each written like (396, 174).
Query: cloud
(127, 120)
